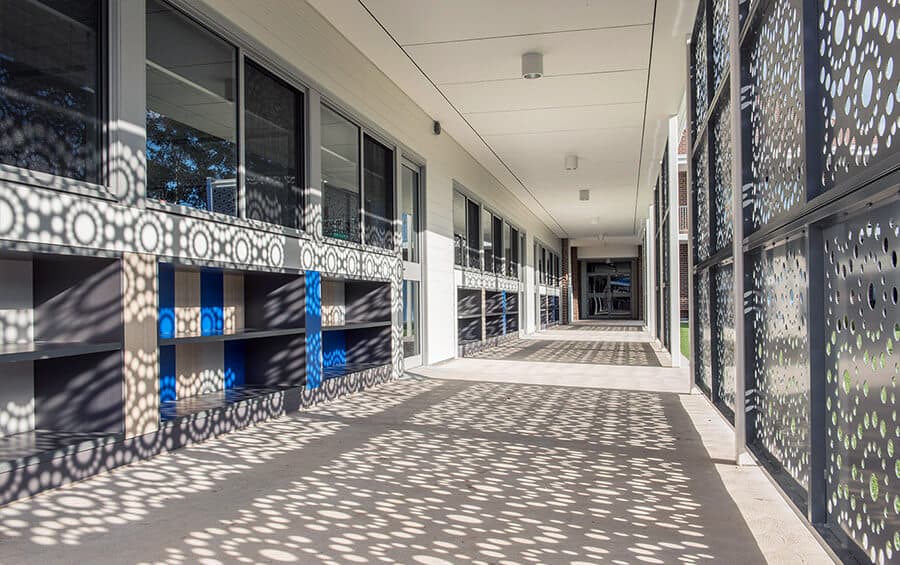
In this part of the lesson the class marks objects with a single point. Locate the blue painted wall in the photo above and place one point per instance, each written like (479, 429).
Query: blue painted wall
(212, 302)
(313, 280)
(235, 375)
(167, 373)
(166, 274)
(334, 349)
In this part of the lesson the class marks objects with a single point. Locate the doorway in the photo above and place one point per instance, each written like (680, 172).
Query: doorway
(411, 248)
(607, 290)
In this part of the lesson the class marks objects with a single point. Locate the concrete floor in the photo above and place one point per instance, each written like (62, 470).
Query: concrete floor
(475, 460)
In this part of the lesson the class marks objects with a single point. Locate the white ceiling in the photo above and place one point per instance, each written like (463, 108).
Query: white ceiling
(613, 75)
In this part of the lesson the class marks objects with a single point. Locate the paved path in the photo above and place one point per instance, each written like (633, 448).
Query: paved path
(483, 461)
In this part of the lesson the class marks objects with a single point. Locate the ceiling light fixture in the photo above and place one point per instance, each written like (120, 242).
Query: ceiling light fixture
(532, 65)
(571, 162)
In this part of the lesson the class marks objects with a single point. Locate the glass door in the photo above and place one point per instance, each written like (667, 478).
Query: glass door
(411, 250)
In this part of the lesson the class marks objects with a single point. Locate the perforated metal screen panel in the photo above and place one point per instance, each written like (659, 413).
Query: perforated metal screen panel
(700, 191)
(860, 88)
(777, 322)
(863, 366)
(723, 325)
(773, 100)
(703, 336)
(721, 149)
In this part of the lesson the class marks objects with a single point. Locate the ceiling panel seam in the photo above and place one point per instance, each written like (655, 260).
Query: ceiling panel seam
(591, 73)
(515, 35)
(637, 185)
(562, 231)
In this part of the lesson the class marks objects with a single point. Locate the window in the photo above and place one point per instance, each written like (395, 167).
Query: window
(378, 187)
(191, 113)
(273, 149)
(498, 245)
(488, 241)
(50, 87)
(512, 252)
(340, 177)
(543, 266)
(459, 229)
(473, 227)
(409, 213)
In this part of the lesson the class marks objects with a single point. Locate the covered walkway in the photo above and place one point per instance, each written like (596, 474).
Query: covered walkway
(509, 458)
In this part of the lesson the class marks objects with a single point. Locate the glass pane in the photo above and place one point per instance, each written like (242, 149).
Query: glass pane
(191, 121)
(488, 240)
(409, 216)
(272, 113)
(507, 248)
(473, 226)
(340, 177)
(498, 245)
(378, 164)
(411, 340)
(49, 87)
(459, 229)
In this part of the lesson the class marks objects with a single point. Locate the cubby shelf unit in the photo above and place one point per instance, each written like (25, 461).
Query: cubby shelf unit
(61, 335)
(356, 326)
(469, 311)
(227, 337)
(484, 317)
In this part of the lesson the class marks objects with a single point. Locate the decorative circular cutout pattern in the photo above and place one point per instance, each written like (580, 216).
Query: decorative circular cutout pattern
(721, 176)
(720, 41)
(862, 369)
(700, 180)
(774, 100)
(860, 88)
(724, 332)
(703, 364)
(780, 353)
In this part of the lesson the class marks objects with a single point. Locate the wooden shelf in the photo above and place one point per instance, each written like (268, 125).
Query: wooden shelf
(230, 336)
(40, 350)
(336, 371)
(357, 326)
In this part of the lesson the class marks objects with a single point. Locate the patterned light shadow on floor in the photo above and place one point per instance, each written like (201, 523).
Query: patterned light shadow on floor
(571, 351)
(422, 471)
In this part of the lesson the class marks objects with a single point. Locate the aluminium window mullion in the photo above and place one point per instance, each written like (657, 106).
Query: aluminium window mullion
(241, 132)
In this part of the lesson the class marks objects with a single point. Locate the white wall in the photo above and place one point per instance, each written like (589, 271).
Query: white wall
(608, 251)
(297, 34)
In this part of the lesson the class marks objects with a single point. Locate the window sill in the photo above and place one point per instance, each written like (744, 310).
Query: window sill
(37, 179)
(225, 219)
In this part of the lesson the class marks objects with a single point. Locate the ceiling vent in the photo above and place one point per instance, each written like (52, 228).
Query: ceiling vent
(584, 195)
(571, 162)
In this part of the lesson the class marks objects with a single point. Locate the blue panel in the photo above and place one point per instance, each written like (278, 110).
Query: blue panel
(234, 364)
(313, 281)
(166, 373)
(166, 300)
(334, 349)
(212, 302)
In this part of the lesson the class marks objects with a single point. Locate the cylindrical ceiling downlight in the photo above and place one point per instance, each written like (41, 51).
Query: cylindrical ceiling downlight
(532, 65)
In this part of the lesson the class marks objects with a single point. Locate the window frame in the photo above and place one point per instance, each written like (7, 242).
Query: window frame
(106, 91)
(302, 142)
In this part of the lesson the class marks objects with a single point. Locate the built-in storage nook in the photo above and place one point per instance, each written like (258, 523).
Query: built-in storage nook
(494, 313)
(61, 335)
(227, 336)
(356, 326)
(469, 314)
(512, 313)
